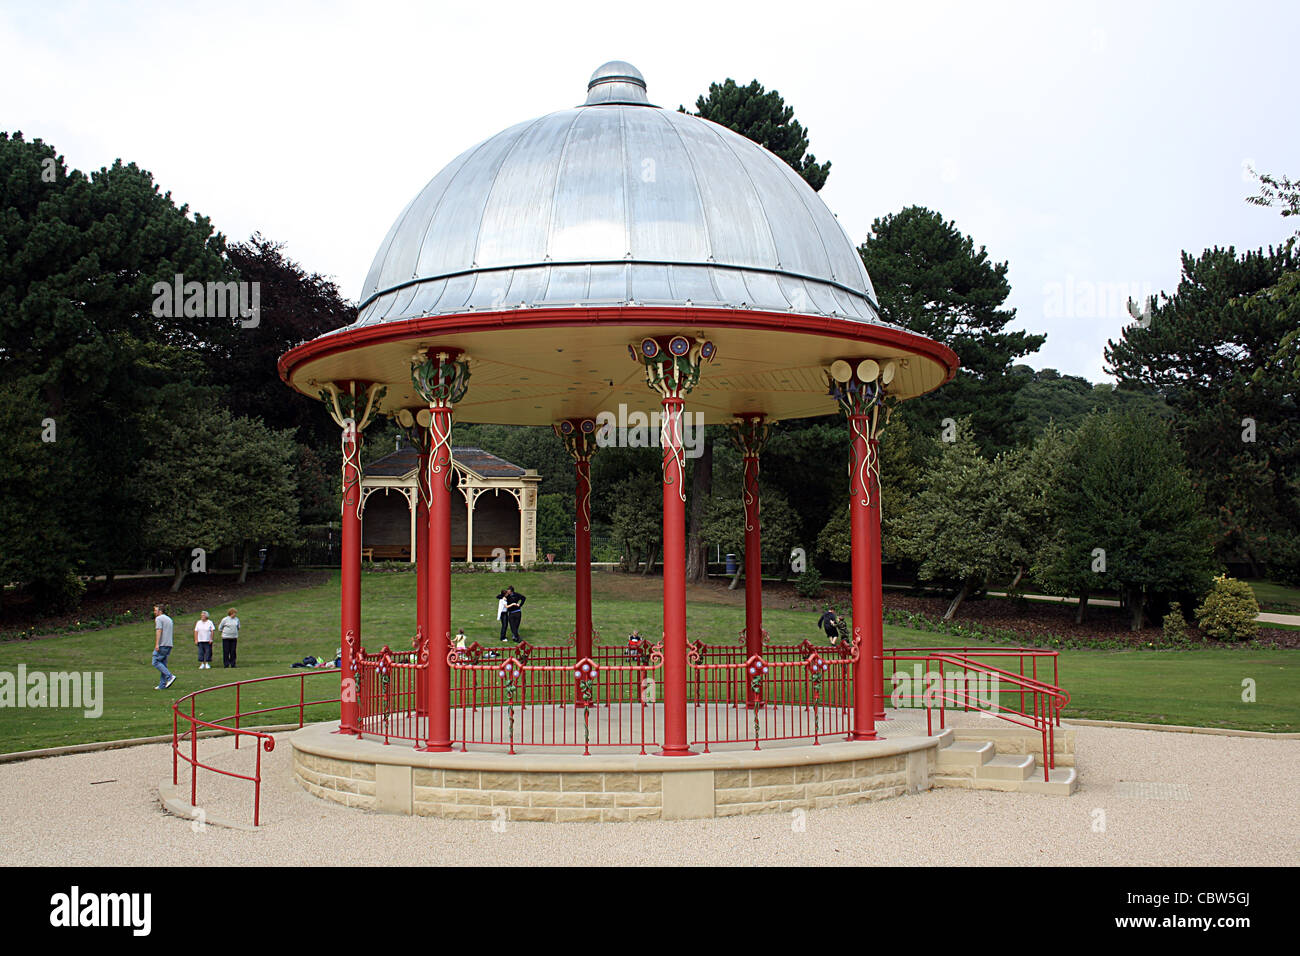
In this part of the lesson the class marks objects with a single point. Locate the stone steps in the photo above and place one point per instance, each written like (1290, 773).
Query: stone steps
(977, 765)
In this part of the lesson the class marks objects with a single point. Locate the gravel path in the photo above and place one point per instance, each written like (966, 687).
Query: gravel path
(1223, 800)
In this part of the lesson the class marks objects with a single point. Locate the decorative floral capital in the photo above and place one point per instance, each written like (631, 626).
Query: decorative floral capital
(440, 376)
(672, 365)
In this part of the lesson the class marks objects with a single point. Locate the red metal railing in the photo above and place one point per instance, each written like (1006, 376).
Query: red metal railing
(526, 695)
(798, 694)
(230, 724)
(939, 687)
(588, 703)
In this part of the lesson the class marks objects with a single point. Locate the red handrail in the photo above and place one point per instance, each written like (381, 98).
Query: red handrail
(266, 742)
(1048, 699)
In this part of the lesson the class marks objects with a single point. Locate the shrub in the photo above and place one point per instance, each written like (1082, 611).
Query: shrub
(809, 583)
(59, 593)
(1228, 612)
(1175, 625)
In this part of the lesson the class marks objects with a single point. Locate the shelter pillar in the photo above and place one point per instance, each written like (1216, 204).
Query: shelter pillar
(579, 438)
(860, 390)
(672, 368)
(750, 433)
(417, 437)
(471, 497)
(352, 405)
(441, 377)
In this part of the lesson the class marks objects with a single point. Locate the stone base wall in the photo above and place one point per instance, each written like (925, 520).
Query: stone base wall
(740, 783)
(773, 789)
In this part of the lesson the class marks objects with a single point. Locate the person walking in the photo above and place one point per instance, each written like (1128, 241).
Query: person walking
(514, 610)
(834, 626)
(162, 646)
(229, 628)
(501, 614)
(203, 629)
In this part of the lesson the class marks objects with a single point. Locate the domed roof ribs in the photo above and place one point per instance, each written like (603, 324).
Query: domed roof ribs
(555, 193)
(460, 162)
(762, 217)
(487, 194)
(698, 192)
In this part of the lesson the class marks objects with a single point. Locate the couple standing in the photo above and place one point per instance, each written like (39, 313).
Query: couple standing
(510, 611)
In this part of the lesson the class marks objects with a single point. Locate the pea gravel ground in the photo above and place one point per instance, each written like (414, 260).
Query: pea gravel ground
(1221, 801)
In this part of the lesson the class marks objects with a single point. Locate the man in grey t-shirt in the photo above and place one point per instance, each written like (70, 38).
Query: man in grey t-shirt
(162, 646)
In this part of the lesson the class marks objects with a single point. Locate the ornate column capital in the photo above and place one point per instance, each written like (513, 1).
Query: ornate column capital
(749, 433)
(861, 388)
(414, 425)
(352, 401)
(672, 364)
(440, 375)
(578, 436)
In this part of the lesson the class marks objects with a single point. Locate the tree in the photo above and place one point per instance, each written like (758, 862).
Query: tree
(81, 327)
(638, 518)
(256, 469)
(955, 529)
(1215, 350)
(763, 117)
(1126, 516)
(555, 528)
(930, 278)
(183, 494)
(294, 307)
(37, 545)
(724, 526)
(1023, 497)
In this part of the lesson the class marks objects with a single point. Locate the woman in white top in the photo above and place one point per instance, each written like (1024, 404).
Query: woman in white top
(203, 629)
(501, 614)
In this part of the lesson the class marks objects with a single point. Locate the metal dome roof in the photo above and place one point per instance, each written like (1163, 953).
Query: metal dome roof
(616, 202)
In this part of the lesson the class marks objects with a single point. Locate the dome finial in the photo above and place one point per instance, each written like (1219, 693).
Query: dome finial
(616, 82)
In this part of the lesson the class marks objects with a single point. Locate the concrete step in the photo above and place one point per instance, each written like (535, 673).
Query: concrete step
(1061, 782)
(1008, 767)
(965, 754)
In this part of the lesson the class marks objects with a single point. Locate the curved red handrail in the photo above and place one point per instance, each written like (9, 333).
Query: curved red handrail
(264, 741)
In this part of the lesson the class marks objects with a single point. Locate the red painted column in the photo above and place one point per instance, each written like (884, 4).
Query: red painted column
(875, 591)
(862, 519)
(674, 564)
(421, 575)
(753, 572)
(438, 582)
(350, 565)
(582, 570)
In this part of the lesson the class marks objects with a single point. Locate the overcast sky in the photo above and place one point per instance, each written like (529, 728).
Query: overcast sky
(1085, 144)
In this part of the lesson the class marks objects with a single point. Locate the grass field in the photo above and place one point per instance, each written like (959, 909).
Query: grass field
(1201, 687)
(1274, 596)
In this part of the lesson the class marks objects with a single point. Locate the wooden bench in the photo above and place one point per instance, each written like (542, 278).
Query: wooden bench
(483, 553)
(386, 552)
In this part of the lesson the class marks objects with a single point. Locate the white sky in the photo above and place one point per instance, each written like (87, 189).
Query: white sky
(1088, 145)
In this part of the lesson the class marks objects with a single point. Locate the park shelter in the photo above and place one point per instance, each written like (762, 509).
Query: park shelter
(493, 513)
(614, 254)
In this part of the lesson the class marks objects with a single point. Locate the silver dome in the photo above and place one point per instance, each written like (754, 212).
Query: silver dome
(616, 202)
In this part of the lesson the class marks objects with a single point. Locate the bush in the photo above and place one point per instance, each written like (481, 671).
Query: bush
(809, 584)
(1175, 625)
(58, 594)
(1228, 612)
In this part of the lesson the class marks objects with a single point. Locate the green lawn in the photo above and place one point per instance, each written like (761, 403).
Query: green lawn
(1272, 595)
(1200, 687)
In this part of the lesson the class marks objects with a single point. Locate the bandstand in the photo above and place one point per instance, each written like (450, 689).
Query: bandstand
(610, 255)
